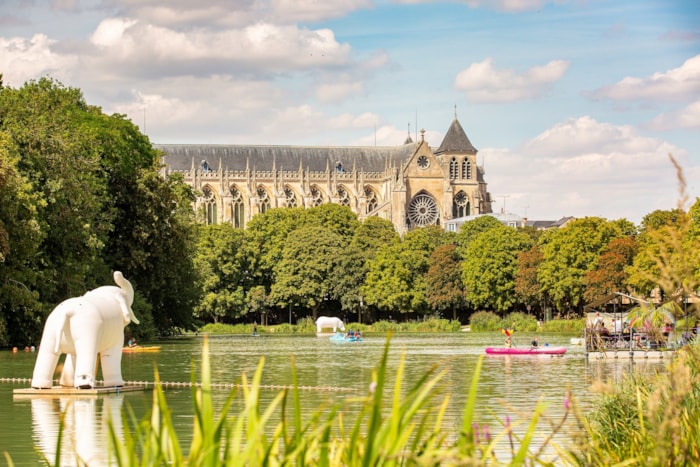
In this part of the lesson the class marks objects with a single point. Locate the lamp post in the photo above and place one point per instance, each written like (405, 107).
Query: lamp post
(359, 312)
(290, 313)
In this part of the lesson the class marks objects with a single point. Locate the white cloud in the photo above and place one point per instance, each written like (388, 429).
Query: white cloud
(25, 59)
(582, 167)
(484, 83)
(235, 13)
(688, 117)
(680, 83)
(315, 10)
(132, 48)
(334, 92)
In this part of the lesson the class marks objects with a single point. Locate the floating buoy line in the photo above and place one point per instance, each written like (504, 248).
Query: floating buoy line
(180, 384)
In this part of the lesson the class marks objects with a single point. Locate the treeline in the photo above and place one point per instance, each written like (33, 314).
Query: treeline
(308, 260)
(81, 196)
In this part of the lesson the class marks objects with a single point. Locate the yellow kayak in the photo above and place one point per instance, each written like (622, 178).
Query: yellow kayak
(140, 348)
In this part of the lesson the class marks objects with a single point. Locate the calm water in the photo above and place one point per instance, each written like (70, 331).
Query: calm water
(508, 385)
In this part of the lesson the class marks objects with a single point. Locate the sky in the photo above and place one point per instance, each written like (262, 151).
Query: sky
(575, 106)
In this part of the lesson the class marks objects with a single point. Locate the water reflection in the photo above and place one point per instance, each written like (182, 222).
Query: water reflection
(85, 429)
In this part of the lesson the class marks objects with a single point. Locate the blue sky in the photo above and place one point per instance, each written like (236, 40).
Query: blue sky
(574, 105)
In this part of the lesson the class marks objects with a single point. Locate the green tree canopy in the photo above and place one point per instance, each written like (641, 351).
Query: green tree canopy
(396, 278)
(20, 236)
(609, 275)
(220, 260)
(569, 253)
(490, 267)
(444, 287)
(303, 275)
(527, 286)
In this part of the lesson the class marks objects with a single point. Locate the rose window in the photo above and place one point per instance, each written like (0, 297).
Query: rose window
(423, 210)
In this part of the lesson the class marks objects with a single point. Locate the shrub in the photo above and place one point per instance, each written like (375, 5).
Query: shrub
(482, 321)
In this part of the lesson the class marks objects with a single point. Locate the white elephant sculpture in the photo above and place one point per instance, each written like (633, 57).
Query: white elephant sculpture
(82, 327)
(329, 322)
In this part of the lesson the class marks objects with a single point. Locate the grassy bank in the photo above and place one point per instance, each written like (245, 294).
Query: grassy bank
(483, 321)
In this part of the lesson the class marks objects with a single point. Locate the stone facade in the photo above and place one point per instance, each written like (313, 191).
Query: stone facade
(412, 185)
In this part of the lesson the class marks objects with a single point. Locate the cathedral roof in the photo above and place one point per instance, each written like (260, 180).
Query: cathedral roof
(456, 140)
(313, 158)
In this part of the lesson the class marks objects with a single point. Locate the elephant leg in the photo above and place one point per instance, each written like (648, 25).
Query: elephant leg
(68, 373)
(111, 361)
(85, 364)
(44, 368)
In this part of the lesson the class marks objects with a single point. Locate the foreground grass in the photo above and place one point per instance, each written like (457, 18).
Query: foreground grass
(395, 426)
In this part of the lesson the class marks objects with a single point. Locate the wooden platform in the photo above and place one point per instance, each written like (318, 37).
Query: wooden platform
(55, 391)
(632, 355)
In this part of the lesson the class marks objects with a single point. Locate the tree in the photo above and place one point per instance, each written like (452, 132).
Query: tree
(527, 286)
(54, 131)
(470, 230)
(221, 264)
(609, 276)
(396, 278)
(266, 238)
(490, 266)
(161, 260)
(20, 236)
(568, 253)
(444, 287)
(302, 276)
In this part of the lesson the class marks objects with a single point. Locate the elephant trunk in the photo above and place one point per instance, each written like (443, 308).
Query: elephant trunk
(126, 286)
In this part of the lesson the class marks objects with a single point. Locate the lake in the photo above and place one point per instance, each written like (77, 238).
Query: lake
(509, 385)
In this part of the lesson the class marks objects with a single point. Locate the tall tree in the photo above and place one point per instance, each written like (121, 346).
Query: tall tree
(490, 267)
(609, 275)
(20, 236)
(527, 286)
(221, 263)
(303, 275)
(369, 236)
(570, 252)
(396, 278)
(55, 132)
(444, 287)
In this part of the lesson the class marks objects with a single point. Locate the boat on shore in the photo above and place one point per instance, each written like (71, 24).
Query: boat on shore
(141, 348)
(546, 350)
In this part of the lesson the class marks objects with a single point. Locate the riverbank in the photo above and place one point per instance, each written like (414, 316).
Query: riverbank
(480, 322)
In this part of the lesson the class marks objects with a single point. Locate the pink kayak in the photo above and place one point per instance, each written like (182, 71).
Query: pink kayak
(526, 350)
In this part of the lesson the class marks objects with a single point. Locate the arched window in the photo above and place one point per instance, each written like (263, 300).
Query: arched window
(237, 208)
(460, 205)
(423, 210)
(343, 197)
(372, 200)
(466, 169)
(209, 202)
(316, 196)
(291, 197)
(263, 199)
(454, 169)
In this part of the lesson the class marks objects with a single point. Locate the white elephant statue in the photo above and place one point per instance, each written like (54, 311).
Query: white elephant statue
(82, 327)
(329, 322)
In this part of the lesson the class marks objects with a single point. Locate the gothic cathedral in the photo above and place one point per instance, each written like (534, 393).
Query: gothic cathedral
(412, 185)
